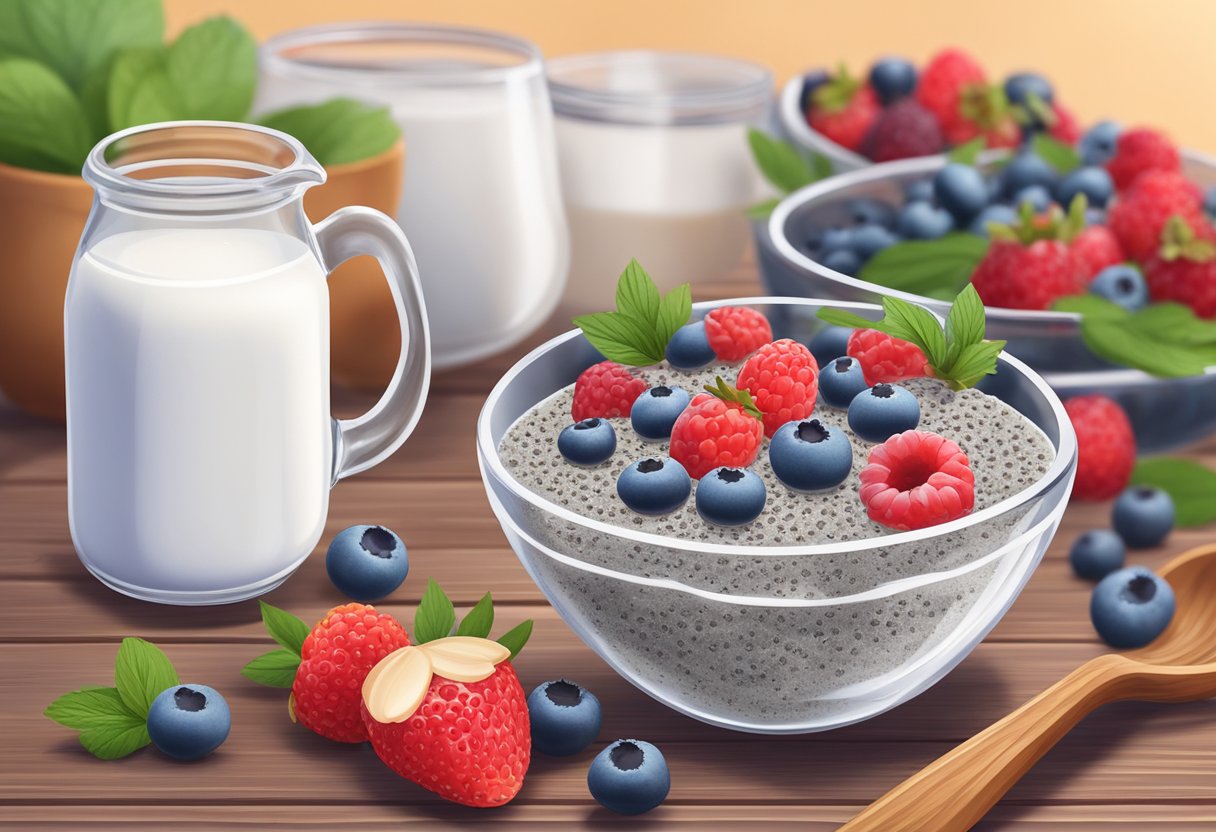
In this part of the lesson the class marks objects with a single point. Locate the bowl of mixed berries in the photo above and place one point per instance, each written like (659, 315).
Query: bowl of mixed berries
(765, 529)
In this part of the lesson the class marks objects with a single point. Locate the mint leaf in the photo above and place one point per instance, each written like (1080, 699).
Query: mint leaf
(113, 742)
(780, 163)
(968, 152)
(1163, 340)
(976, 361)
(478, 621)
(734, 395)
(515, 638)
(763, 210)
(141, 673)
(285, 628)
(923, 267)
(338, 131)
(435, 616)
(42, 125)
(1063, 157)
(636, 295)
(674, 312)
(1176, 323)
(821, 166)
(620, 338)
(916, 324)
(636, 334)
(1091, 306)
(276, 669)
(1191, 486)
(93, 707)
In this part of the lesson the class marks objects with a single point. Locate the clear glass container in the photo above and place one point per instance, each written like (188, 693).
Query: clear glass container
(201, 449)
(481, 200)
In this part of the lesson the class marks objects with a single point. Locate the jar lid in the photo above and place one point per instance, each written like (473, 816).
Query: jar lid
(658, 88)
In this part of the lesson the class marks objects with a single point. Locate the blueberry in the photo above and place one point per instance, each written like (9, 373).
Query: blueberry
(1027, 168)
(884, 410)
(844, 261)
(872, 212)
(919, 191)
(1036, 196)
(810, 456)
(367, 562)
(960, 190)
(892, 79)
(1097, 553)
(1092, 181)
(730, 496)
(840, 380)
(1209, 201)
(811, 82)
(829, 341)
(655, 411)
(1143, 516)
(1021, 85)
(924, 221)
(999, 214)
(1097, 146)
(1131, 607)
(1095, 216)
(654, 486)
(629, 777)
(588, 442)
(187, 722)
(565, 718)
(868, 240)
(689, 348)
(836, 239)
(1122, 284)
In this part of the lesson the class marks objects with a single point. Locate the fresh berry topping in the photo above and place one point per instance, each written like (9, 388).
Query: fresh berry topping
(840, 380)
(1106, 447)
(886, 359)
(689, 348)
(870, 239)
(810, 456)
(1094, 182)
(589, 442)
(367, 562)
(656, 410)
(844, 261)
(605, 390)
(902, 131)
(629, 777)
(1022, 88)
(1031, 264)
(884, 410)
(829, 341)
(1065, 128)
(735, 332)
(1036, 197)
(1131, 607)
(917, 479)
(922, 220)
(843, 110)
(783, 379)
(1025, 170)
(187, 722)
(984, 112)
(654, 486)
(996, 214)
(565, 717)
(722, 427)
(1094, 249)
(1122, 284)
(1184, 269)
(892, 79)
(960, 189)
(943, 80)
(1097, 146)
(730, 497)
(1096, 554)
(1138, 217)
(1139, 150)
(1143, 516)
(867, 211)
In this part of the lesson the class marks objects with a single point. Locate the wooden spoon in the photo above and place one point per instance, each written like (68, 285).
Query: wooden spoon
(956, 790)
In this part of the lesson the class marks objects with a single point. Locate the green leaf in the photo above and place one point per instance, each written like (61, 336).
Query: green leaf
(285, 628)
(965, 323)
(42, 125)
(620, 338)
(636, 295)
(435, 616)
(1176, 323)
(968, 152)
(1091, 306)
(917, 325)
(478, 621)
(1191, 486)
(142, 672)
(821, 167)
(113, 742)
(338, 131)
(851, 320)
(974, 362)
(515, 638)
(763, 210)
(1061, 156)
(780, 163)
(920, 267)
(734, 395)
(674, 312)
(276, 669)
(1165, 340)
(93, 707)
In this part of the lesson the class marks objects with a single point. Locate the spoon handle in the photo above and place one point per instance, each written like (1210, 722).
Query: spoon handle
(952, 793)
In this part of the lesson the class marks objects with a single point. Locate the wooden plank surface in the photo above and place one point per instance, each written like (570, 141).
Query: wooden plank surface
(1131, 765)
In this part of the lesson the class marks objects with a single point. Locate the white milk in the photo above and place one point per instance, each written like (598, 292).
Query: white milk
(200, 451)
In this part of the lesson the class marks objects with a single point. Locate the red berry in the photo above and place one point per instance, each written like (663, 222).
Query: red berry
(1094, 249)
(735, 332)
(902, 131)
(917, 479)
(844, 110)
(783, 378)
(712, 432)
(886, 359)
(1140, 213)
(1017, 276)
(605, 390)
(1106, 447)
(1139, 150)
(942, 82)
(1066, 128)
(983, 111)
(337, 656)
(1184, 269)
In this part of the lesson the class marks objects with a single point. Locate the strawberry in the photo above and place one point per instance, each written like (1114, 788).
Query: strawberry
(984, 112)
(783, 380)
(886, 359)
(1065, 128)
(1139, 150)
(1095, 248)
(325, 667)
(1140, 213)
(943, 81)
(1029, 265)
(917, 479)
(1184, 268)
(720, 427)
(1106, 447)
(902, 131)
(606, 390)
(844, 109)
(735, 332)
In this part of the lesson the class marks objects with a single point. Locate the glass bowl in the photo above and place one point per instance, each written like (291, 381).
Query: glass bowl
(791, 660)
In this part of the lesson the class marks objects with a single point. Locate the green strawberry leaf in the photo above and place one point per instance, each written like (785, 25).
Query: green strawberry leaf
(1061, 156)
(276, 669)
(780, 163)
(478, 621)
(1165, 340)
(515, 638)
(435, 616)
(141, 673)
(968, 152)
(93, 707)
(1191, 486)
(637, 333)
(114, 742)
(285, 628)
(925, 267)
(734, 395)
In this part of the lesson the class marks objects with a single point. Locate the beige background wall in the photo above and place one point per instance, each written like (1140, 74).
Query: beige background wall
(1142, 61)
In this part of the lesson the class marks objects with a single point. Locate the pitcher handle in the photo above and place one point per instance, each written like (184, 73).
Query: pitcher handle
(367, 440)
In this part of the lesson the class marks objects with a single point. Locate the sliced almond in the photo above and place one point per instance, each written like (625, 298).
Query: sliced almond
(397, 685)
(468, 647)
(291, 708)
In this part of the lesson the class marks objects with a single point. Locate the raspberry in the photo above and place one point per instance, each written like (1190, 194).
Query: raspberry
(1066, 128)
(942, 82)
(1094, 249)
(1139, 150)
(917, 479)
(843, 110)
(605, 390)
(1184, 270)
(1017, 276)
(905, 129)
(1106, 447)
(336, 657)
(735, 332)
(783, 379)
(1140, 213)
(888, 359)
(712, 432)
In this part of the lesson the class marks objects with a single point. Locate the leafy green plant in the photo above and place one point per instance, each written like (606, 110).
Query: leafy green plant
(636, 334)
(784, 167)
(1163, 339)
(1191, 486)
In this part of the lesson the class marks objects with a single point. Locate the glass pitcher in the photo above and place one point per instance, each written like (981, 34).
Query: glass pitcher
(201, 449)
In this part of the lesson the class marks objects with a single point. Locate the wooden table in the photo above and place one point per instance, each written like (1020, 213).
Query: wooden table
(1130, 766)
